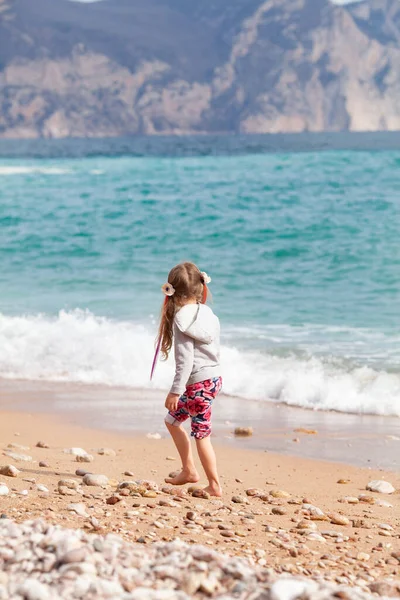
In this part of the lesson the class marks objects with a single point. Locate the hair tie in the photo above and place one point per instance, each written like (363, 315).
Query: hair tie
(206, 278)
(168, 289)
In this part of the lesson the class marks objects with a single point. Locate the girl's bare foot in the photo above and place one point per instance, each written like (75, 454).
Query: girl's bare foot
(214, 490)
(183, 477)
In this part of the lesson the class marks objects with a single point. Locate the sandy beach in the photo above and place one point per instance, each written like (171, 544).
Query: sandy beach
(348, 534)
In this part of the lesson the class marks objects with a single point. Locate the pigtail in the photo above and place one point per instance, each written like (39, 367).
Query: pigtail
(165, 331)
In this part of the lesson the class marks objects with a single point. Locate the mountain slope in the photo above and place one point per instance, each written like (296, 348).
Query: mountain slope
(122, 67)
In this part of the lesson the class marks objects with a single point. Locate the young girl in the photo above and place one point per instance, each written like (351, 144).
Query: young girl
(194, 328)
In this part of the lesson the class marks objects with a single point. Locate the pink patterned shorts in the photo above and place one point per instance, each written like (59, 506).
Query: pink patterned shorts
(196, 403)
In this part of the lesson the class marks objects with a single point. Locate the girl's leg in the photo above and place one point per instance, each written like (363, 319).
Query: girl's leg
(189, 472)
(209, 463)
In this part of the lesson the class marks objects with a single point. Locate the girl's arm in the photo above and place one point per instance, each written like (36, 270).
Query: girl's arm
(184, 356)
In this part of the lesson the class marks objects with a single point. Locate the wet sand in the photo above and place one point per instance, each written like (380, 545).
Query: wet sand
(362, 440)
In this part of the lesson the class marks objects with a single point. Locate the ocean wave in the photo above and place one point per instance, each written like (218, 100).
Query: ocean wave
(371, 347)
(80, 347)
(28, 170)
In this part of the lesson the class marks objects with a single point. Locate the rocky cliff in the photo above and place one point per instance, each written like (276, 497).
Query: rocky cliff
(124, 67)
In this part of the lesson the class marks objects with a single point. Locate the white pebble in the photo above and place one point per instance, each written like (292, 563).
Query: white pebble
(153, 436)
(18, 457)
(79, 508)
(32, 589)
(75, 451)
(291, 589)
(42, 488)
(4, 491)
(380, 486)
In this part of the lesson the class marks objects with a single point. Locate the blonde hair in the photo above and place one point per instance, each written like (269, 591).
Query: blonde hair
(188, 283)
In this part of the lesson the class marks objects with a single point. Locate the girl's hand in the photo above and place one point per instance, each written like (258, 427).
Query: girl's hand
(171, 403)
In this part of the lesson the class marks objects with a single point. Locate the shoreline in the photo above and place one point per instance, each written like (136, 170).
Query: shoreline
(360, 440)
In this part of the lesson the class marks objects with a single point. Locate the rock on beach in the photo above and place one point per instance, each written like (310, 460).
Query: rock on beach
(338, 519)
(42, 444)
(380, 486)
(9, 471)
(4, 491)
(18, 457)
(95, 480)
(75, 451)
(85, 458)
(106, 452)
(243, 431)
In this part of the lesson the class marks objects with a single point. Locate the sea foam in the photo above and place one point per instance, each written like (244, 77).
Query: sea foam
(80, 347)
(28, 170)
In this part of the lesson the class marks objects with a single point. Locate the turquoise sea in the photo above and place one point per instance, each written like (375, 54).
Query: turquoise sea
(303, 249)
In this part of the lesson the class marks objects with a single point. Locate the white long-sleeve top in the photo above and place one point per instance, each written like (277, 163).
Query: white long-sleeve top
(196, 345)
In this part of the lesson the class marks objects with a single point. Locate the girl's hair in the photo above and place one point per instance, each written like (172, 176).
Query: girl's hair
(188, 282)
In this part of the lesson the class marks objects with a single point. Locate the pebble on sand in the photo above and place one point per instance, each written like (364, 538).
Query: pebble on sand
(363, 556)
(254, 492)
(9, 471)
(198, 493)
(75, 451)
(64, 491)
(71, 484)
(32, 589)
(4, 491)
(113, 500)
(338, 519)
(150, 494)
(18, 457)
(307, 525)
(81, 472)
(316, 513)
(279, 510)
(380, 486)
(385, 526)
(42, 445)
(228, 533)
(106, 452)
(366, 499)
(279, 494)
(79, 508)
(95, 480)
(42, 489)
(384, 503)
(240, 500)
(243, 431)
(290, 589)
(350, 500)
(153, 436)
(85, 458)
